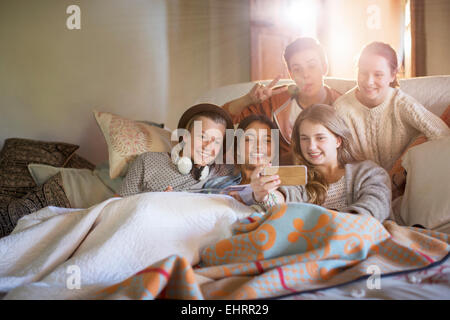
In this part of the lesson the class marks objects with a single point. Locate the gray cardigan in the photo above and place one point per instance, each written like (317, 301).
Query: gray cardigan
(368, 188)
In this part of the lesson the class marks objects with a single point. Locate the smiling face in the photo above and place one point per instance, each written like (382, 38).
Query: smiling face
(258, 143)
(206, 140)
(374, 78)
(307, 70)
(318, 144)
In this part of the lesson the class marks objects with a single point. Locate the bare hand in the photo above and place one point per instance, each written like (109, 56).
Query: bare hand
(260, 93)
(169, 189)
(263, 185)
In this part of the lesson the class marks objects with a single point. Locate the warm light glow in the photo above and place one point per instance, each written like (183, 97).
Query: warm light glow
(342, 51)
(408, 41)
(302, 14)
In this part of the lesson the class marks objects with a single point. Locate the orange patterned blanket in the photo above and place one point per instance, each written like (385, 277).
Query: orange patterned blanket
(290, 249)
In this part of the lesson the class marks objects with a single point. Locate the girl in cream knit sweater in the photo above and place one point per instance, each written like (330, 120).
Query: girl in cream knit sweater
(382, 118)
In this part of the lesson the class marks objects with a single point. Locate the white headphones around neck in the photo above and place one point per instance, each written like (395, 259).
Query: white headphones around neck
(184, 164)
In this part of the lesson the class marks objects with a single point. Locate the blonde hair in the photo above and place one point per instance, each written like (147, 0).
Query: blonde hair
(347, 152)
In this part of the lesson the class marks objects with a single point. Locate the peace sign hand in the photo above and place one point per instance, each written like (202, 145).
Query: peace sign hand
(260, 92)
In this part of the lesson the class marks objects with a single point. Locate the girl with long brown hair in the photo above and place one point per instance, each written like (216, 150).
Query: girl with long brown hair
(338, 177)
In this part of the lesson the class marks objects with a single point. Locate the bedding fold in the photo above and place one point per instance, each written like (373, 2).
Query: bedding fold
(109, 242)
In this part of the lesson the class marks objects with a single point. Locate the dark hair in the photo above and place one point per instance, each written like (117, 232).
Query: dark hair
(305, 43)
(386, 51)
(214, 116)
(208, 110)
(256, 118)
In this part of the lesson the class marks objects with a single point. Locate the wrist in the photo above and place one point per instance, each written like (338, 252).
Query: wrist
(259, 199)
(248, 100)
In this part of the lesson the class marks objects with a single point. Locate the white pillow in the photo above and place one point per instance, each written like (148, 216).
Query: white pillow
(426, 200)
(82, 187)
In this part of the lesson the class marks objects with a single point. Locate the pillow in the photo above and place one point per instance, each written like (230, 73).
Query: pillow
(127, 139)
(16, 154)
(426, 200)
(78, 162)
(397, 173)
(51, 193)
(82, 187)
(102, 171)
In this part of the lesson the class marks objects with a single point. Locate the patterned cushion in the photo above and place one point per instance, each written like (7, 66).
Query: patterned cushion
(15, 179)
(127, 139)
(51, 193)
(78, 162)
(82, 187)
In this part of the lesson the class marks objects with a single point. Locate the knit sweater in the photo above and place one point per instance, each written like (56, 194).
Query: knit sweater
(368, 190)
(155, 171)
(336, 195)
(384, 132)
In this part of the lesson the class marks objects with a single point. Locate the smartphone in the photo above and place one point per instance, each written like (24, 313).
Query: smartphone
(289, 175)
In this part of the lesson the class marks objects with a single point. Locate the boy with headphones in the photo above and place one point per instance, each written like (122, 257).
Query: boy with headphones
(191, 163)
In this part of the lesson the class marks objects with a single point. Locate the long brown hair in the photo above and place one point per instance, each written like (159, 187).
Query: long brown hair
(347, 152)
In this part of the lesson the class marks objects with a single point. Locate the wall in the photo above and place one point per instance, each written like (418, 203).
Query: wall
(142, 59)
(437, 29)
(348, 30)
(351, 26)
(209, 46)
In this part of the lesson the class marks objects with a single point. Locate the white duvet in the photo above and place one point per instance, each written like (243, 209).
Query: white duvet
(50, 250)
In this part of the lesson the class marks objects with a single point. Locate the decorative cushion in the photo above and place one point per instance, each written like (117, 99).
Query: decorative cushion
(127, 139)
(78, 162)
(51, 193)
(82, 187)
(426, 200)
(16, 154)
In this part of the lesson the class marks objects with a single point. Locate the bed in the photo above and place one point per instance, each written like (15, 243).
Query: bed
(68, 236)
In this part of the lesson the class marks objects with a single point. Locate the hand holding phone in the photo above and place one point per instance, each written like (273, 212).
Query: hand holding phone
(263, 185)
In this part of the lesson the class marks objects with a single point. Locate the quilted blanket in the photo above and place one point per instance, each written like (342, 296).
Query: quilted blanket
(61, 253)
(293, 248)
